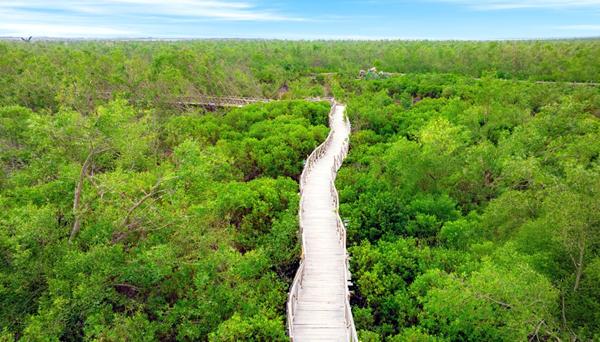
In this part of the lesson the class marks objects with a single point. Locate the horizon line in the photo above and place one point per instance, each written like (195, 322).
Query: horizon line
(46, 38)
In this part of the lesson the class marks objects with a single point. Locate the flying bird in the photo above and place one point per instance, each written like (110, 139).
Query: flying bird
(26, 40)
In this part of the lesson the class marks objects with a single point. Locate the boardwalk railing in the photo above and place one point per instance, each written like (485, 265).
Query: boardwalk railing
(317, 153)
(209, 100)
(591, 83)
(229, 101)
(219, 101)
(312, 159)
(341, 231)
(222, 101)
(292, 300)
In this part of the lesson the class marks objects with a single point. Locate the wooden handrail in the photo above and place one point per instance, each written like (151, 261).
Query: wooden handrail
(292, 300)
(317, 153)
(218, 101)
(341, 230)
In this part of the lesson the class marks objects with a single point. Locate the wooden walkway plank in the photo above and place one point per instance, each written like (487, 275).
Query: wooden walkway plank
(318, 298)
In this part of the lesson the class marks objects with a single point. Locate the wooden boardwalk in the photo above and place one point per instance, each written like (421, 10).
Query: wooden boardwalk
(318, 307)
(219, 101)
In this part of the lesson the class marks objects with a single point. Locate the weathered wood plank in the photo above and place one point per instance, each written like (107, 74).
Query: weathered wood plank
(320, 311)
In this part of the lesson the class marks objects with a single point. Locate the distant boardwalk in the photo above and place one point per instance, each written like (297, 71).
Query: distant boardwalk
(219, 101)
(318, 307)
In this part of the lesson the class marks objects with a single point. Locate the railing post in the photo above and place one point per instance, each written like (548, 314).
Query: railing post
(340, 230)
(294, 288)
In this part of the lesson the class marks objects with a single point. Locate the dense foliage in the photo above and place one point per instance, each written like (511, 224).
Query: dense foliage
(128, 214)
(474, 209)
(82, 75)
(117, 228)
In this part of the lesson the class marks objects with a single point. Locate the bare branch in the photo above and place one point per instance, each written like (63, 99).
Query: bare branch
(508, 306)
(133, 221)
(76, 208)
(135, 206)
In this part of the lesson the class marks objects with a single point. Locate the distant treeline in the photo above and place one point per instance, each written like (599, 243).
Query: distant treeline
(81, 74)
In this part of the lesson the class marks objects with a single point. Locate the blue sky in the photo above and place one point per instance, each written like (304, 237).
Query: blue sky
(309, 19)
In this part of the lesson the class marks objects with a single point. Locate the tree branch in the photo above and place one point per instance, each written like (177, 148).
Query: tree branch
(508, 306)
(77, 199)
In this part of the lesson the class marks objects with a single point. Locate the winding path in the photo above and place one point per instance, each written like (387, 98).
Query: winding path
(318, 307)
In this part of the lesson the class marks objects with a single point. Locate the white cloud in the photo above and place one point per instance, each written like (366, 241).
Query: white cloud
(517, 4)
(214, 9)
(190, 3)
(96, 18)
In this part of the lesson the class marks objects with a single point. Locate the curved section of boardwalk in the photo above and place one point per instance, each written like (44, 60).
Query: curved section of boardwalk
(318, 308)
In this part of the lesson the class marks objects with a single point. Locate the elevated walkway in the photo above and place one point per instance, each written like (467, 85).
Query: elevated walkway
(318, 302)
